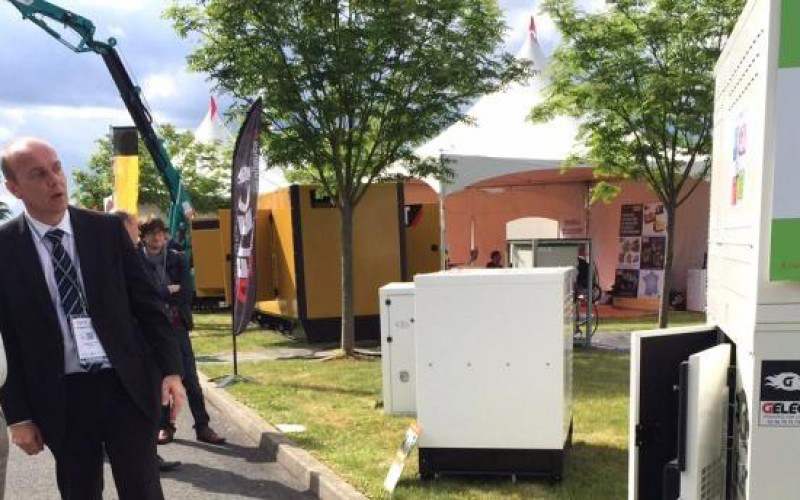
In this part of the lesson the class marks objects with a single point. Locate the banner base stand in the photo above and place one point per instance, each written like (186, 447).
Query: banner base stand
(229, 380)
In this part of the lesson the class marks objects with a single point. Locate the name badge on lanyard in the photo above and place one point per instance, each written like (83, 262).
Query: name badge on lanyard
(90, 350)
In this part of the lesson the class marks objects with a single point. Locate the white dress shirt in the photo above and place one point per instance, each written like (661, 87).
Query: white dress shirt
(44, 247)
(3, 363)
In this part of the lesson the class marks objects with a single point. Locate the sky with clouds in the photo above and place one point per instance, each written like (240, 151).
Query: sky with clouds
(69, 99)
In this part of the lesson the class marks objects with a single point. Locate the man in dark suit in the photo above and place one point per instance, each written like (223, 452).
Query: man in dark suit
(81, 377)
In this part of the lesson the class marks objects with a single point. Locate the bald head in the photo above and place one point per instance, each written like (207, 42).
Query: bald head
(33, 174)
(19, 150)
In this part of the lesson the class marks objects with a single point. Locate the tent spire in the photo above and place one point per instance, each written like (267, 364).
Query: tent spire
(213, 108)
(212, 129)
(532, 29)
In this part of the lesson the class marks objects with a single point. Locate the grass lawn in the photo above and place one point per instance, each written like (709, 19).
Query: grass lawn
(212, 335)
(649, 321)
(336, 400)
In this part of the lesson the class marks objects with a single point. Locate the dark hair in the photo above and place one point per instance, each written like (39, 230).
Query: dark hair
(497, 253)
(153, 226)
(5, 166)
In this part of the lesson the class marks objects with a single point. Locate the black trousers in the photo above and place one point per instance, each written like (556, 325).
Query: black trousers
(194, 393)
(102, 417)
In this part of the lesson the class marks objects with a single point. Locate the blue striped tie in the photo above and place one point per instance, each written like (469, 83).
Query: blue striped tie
(71, 296)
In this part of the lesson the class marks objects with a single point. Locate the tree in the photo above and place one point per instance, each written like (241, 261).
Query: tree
(640, 78)
(205, 172)
(349, 87)
(5, 212)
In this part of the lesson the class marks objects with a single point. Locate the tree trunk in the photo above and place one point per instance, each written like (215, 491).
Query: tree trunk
(348, 313)
(663, 309)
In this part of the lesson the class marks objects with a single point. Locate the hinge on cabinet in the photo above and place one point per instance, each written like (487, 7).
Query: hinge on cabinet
(643, 435)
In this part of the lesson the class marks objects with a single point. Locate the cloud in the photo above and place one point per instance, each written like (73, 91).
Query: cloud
(72, 113)
(117, 32)
(159, 86)
(45, 72)
(126, 6)
(71, 100)
(73, 130)
(5, 134)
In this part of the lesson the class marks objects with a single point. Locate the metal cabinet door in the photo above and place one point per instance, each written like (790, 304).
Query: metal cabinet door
(400, 355)
(656, 357)
(702, 447)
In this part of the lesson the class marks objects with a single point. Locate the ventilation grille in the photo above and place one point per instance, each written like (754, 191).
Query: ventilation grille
(711, 480)
(738, 83)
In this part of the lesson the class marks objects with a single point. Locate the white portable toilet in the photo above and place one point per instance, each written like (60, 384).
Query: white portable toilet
(397, 348)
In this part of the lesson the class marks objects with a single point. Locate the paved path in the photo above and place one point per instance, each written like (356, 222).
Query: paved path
(236, 471)
(613, 341)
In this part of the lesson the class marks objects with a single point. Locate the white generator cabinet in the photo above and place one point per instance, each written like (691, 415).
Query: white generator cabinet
(397, 348)
(494, 370)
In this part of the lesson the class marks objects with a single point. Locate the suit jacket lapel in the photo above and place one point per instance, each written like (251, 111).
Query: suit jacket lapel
(31, 268)
(86, 247)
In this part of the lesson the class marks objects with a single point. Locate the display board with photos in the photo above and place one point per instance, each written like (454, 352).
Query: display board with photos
(642, 250)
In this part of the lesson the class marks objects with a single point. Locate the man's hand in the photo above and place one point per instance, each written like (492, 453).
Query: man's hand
(173, 395)
(28, 437)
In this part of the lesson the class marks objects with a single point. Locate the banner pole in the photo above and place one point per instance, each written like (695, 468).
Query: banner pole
(244, 202)
(235, 357)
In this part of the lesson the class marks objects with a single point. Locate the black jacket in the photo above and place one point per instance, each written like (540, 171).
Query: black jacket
(119, 296)
(177, 273)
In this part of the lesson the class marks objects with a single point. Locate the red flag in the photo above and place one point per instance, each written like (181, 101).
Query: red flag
(213, 108)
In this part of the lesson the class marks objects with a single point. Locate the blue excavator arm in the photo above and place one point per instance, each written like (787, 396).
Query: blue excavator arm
(39, 12)
(44, 13)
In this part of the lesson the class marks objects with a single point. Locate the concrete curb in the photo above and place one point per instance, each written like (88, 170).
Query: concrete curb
(314, 476)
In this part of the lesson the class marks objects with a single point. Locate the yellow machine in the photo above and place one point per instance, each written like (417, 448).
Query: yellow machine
(422, 239)
(298, 257)
(209, 263)
(212, 268)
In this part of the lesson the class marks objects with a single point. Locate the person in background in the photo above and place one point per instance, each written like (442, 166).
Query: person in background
(91, 354)
(496, 260)
(168, 265)
(132, 227)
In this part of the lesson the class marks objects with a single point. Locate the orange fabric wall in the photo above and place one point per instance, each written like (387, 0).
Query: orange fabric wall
(492, 208)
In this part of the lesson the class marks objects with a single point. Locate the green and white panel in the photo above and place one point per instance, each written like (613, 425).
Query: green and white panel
(785, 244)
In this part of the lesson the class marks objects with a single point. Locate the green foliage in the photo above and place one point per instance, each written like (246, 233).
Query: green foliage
(349, 87)
(204, 169)
(640, 77)
(5, 212)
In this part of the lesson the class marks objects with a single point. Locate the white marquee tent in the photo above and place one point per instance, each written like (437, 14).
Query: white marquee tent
(501, 140)
(212, 129)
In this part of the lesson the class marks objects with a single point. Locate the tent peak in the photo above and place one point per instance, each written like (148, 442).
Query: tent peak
(212, 129)
(531, 50)
(213, 108)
